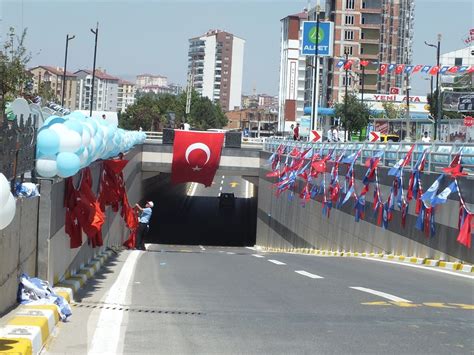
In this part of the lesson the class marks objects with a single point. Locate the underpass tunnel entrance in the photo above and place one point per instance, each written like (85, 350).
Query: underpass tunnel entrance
(224, 214)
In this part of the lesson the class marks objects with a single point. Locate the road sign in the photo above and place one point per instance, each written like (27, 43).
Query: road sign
(324, 41)
(374, 136)
(315, 136)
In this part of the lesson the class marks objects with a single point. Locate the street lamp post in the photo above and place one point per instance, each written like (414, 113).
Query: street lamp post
(346, 134)
(96, 33)
(314, 109)
(438, 89)
(65, 65)
(407, 136)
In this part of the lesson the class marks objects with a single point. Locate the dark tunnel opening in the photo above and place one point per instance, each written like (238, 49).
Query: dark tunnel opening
(190, 214)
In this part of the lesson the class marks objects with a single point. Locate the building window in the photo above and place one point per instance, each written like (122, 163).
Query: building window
(349, 81)
(349, 35)
(361, 50)
(350, 4)
(349, 20)
(348, 50)
(457, 61)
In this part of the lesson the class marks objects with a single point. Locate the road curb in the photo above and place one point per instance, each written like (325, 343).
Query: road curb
(454, 266)
(30, 326)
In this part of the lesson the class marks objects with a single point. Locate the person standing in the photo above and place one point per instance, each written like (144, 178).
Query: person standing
(426, 138)
(296, 132)
(187, 126)
(143, 224)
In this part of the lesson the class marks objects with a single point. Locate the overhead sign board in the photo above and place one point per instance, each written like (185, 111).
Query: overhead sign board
(324, 41)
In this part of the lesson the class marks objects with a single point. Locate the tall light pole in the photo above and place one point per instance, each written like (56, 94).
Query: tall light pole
(65, 65)
(346, 134)
(438, 89)
(314, 108)
(407, 135)
(96, 33)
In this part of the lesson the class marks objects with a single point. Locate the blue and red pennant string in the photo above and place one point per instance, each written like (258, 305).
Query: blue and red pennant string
(290, 164)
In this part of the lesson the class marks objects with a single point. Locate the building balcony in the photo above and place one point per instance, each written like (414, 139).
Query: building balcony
(370, 56)
(371, 11)
(369, 40)
(371, 25)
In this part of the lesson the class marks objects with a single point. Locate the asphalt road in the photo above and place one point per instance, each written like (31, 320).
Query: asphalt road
(218, 300)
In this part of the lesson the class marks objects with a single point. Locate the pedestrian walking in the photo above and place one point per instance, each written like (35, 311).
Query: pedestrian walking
(143, 225)
(296, 132)
(426, 138)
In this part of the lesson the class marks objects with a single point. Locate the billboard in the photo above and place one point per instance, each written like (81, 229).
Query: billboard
(325, 39)
(458, 101)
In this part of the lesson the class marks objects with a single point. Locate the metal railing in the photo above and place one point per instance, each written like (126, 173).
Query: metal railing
(438, 157)
(17, 147)
(154, 136)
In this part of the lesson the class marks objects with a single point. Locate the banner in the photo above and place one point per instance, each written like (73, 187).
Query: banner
(458, 101)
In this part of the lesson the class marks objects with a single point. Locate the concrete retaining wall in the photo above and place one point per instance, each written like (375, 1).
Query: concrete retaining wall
(55, 258)
(18, 247)
(286, 224)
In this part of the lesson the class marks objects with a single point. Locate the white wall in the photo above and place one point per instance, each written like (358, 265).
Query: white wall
(236, 73)
(209, 67)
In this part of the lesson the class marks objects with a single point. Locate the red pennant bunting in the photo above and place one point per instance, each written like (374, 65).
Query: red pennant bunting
(364, 63)
(348, 64)
(453, 69)
(399, 68)
(464, 236)
(383, 69)
(434, 70)
(417, 68)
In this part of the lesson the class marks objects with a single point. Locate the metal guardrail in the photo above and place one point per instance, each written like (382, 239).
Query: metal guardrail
(439, 156)
(154, 136)
(158, 136)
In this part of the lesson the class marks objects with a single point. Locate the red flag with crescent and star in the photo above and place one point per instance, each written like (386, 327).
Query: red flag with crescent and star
(196, 156)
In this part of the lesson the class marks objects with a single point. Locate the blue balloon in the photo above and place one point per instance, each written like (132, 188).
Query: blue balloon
(52, 120)
(77, 115)
(48, 142)
(74, 126)
(68, 164)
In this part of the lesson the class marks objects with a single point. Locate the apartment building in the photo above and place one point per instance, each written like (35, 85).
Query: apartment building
(144, 80)
(105, 90)
(125, 95)
(215, 61)
(52, 77)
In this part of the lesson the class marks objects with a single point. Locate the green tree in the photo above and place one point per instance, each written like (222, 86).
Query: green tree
(391, 110)
(144, 113)
(46, 92)
(14, 58)
(356, 117)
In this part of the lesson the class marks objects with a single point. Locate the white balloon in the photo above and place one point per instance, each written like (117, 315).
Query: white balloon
(59, 128)
(84, 156)
(4, 190)
(7, 212)
(70, 141)
(47, 167)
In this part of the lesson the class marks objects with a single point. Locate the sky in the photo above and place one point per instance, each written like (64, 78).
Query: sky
(151, 36)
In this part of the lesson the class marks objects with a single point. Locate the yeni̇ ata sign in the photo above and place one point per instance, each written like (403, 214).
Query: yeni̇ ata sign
(324, 40)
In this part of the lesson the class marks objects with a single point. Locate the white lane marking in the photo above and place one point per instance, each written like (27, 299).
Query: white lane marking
(420, 267)
(202, 248)
(230, 253)
(381, 294)
(220, 189)
(106, 337)
(258, 256)
(251, 248)
(276, 262)
(308, 274)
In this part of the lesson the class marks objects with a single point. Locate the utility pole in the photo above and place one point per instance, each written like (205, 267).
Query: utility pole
(346, 68)
(363, 82)
(65, 65)
(407, 136)
(438, 87)
(314, 109)
(189, 92)
(96, 33)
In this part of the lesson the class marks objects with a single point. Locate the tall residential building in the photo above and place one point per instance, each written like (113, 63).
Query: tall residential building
(105, 90)
(373, 30)
(215, 60)
(125, 95)
(144, 80)
(52, 78)
(292, 71)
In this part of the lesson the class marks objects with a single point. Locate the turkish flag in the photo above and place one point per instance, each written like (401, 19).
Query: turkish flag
(196, 156)
(399, 68)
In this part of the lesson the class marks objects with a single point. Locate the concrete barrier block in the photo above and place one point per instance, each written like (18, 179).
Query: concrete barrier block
(467, 268)
(25, 338)
(449, 265)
